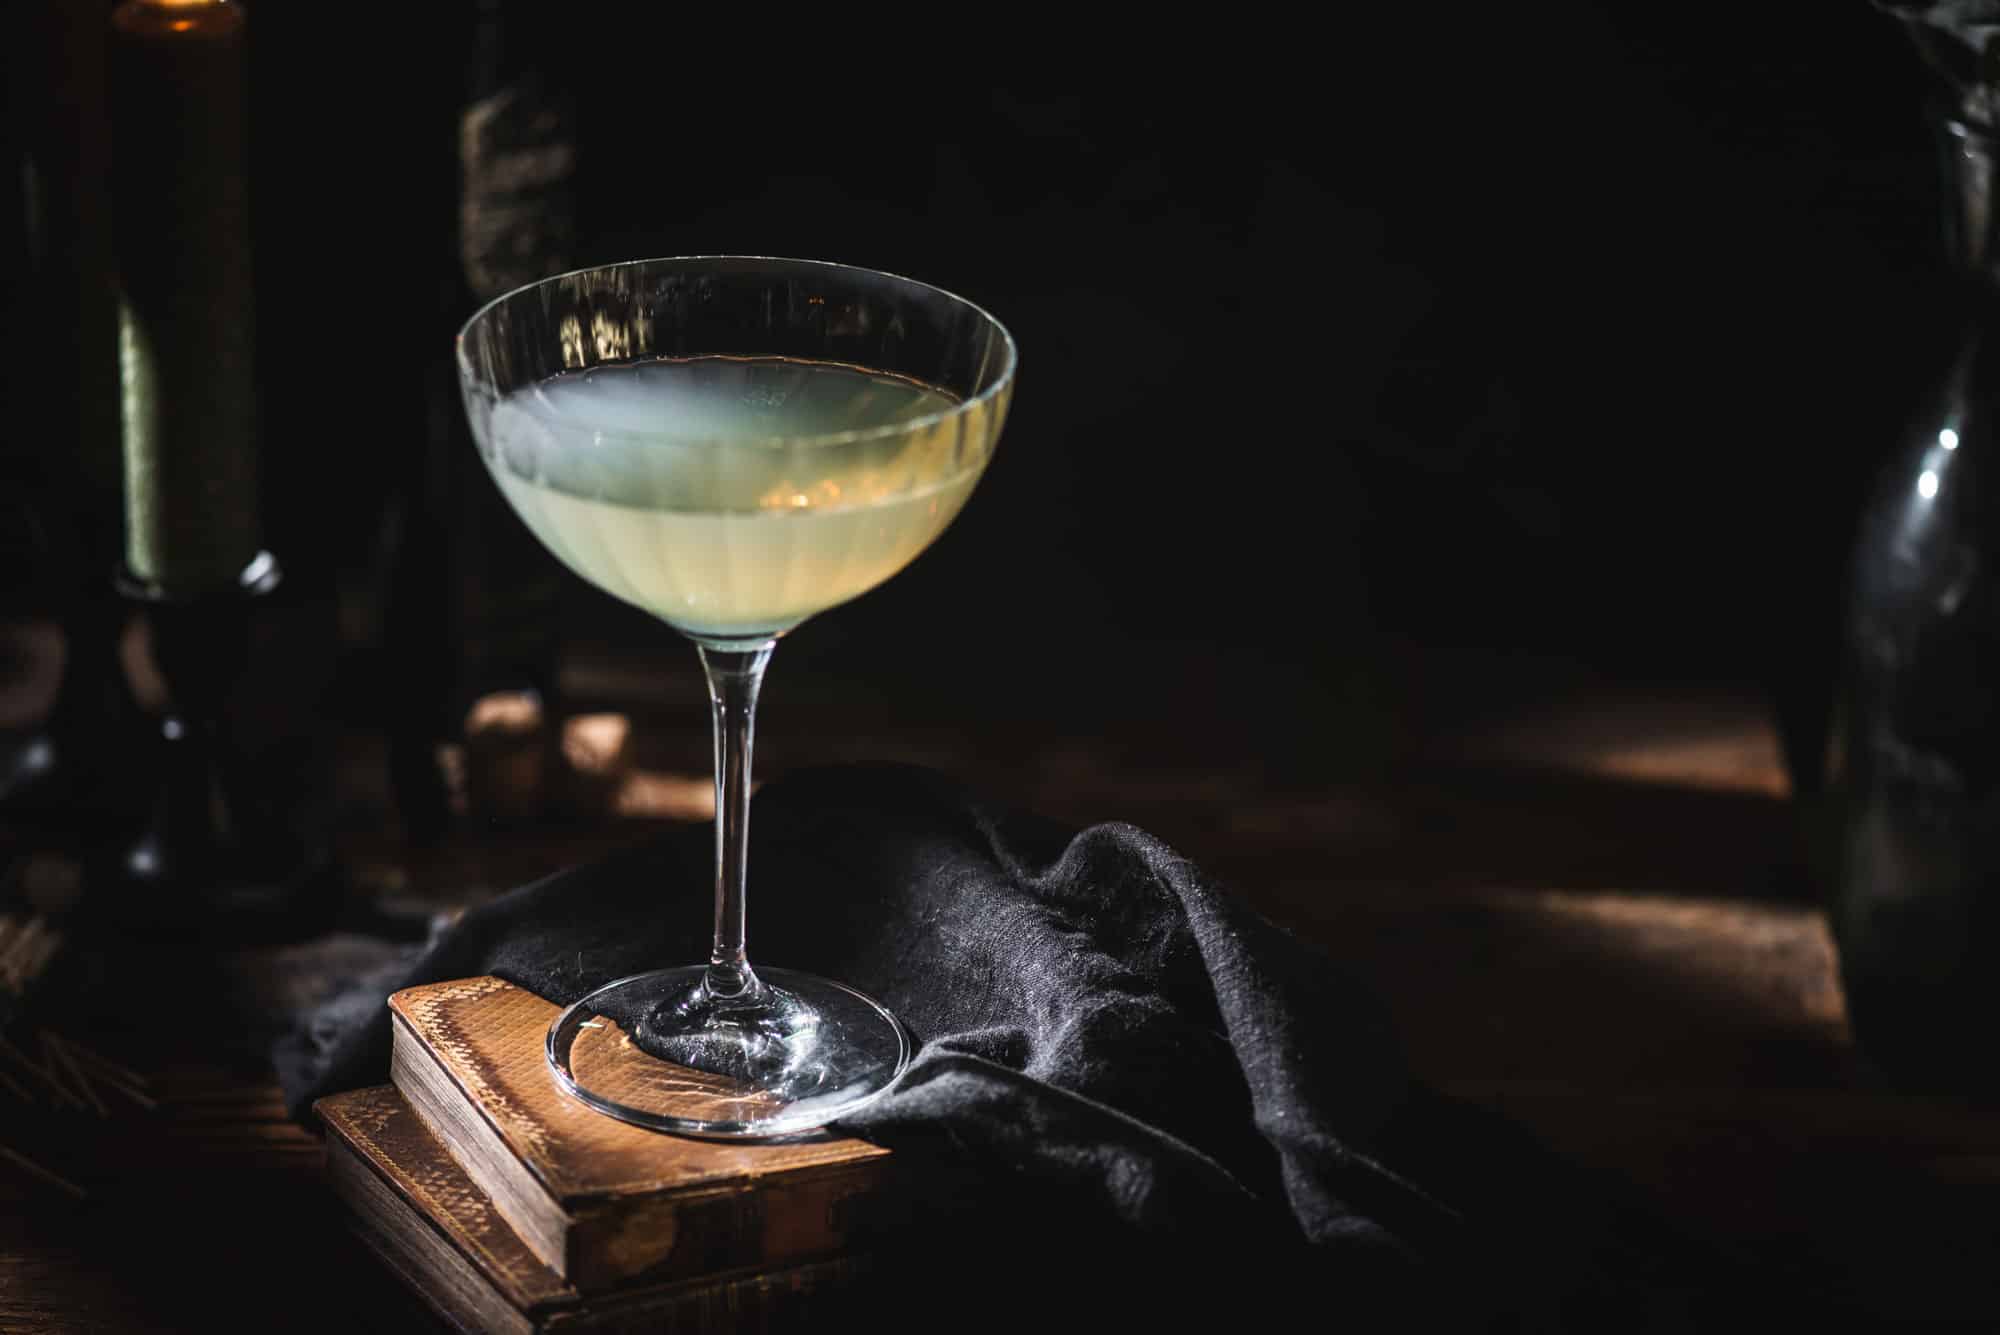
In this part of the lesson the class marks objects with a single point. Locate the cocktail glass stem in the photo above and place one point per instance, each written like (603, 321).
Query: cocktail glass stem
(734, 677)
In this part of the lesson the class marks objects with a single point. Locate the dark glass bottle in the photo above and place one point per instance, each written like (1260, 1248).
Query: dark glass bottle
(473, 604)
(1915, 757)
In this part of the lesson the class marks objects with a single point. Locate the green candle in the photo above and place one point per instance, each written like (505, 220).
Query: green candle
(179, 147)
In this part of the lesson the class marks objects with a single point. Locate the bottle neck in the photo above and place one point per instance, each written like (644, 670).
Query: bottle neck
(1970, 153)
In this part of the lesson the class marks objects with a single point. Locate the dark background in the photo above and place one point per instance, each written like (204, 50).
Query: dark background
(1373, 379)
(1563, 337)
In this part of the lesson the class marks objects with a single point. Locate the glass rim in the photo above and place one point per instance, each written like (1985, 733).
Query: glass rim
(854, 435)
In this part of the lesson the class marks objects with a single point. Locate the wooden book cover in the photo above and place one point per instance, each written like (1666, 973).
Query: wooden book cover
(600, 1202)
(416, 1209)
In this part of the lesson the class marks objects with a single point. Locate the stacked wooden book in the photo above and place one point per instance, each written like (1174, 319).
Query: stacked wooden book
(511, 1207)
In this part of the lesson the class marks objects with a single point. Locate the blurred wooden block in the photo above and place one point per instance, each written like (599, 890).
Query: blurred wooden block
(596, 758)
(505, 756)
(600, 1202)
(514, 767)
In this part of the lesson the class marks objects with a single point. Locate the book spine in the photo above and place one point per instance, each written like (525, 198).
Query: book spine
(474, 1144)
(817, 1296)
(758, 1225)
(450, 1285)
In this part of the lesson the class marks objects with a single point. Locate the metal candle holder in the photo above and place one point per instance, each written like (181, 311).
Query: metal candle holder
(201, 860)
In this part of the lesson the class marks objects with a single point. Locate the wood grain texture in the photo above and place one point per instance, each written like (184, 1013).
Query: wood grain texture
(602, 1202)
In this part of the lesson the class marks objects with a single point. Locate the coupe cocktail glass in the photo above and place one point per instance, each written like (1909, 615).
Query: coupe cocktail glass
(734, 444)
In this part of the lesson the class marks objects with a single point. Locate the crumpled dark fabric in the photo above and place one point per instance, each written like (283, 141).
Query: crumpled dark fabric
(1126, 1079)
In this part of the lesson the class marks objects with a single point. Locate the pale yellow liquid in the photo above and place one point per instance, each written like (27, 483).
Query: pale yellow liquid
(687, 488)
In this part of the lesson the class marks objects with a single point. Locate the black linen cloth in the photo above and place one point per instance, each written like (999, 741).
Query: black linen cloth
(1125, 1076)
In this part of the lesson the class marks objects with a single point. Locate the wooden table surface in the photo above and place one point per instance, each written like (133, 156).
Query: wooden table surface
(1588, 914)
